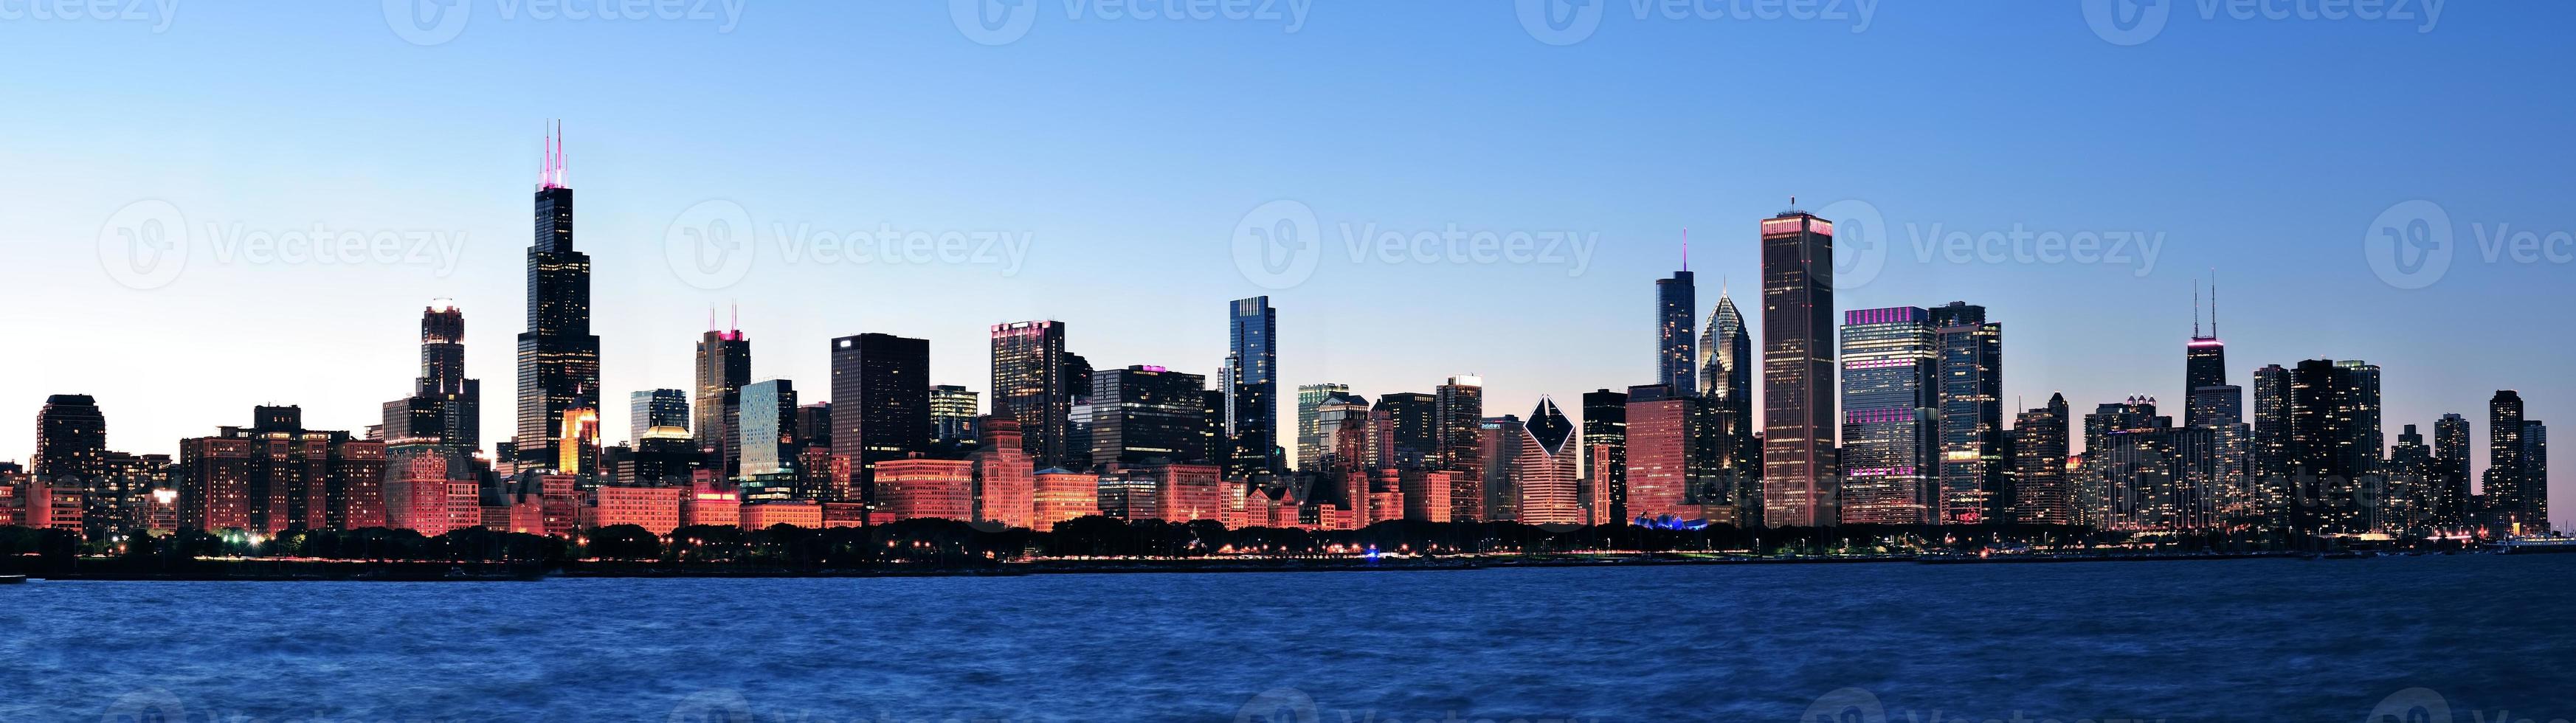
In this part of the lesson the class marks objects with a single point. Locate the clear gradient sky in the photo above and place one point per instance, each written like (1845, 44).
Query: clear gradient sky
(1128, 151)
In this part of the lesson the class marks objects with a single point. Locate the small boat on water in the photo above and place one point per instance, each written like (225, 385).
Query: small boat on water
(2555, 545)
(13, 579)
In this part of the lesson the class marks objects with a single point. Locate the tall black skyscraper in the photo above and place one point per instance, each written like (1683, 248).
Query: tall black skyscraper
(2512, 493)
(1676, 299)
(1970, 370)
(71, 439)
(444, 408)
(2040, 492)
(2271, 447)
(2328, 448)
(1148, 415)
(1800, 414)
(2451, 489)
(1032, 384)
(1605, 449)
(724, 368)
(558, 356)
(1414, 427)
(1253, 360)
(880, 402)
(2204, 364)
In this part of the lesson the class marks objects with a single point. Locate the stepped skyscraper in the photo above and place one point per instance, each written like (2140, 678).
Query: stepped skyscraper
(558, 356)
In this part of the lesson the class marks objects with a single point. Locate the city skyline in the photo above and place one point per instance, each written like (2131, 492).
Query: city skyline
(2096, 332)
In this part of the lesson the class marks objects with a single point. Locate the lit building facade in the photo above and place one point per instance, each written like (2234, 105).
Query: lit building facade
(1890, 417)
(1800, 471)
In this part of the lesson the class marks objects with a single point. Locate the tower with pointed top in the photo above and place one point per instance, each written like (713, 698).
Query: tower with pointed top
(558, 356)
(1726, 378)
(1675, 302)
(1544, 471)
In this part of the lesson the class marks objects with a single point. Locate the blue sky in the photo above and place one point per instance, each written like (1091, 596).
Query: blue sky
(1125, 153)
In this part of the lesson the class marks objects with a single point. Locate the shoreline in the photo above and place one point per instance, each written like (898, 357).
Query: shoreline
(354, 571)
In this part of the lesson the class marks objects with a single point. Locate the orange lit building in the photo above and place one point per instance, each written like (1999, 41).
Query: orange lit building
(1062, 495)
(922, 488)
(711, 504)
(1545, 470)
(845, 514)
(1005, 483)
(656, 509)
(1426, 494)
(808, 515)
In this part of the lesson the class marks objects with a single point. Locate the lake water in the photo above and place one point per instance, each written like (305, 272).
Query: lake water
(2279, 640)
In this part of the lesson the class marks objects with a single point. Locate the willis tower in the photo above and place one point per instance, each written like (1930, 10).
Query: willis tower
(558, 356)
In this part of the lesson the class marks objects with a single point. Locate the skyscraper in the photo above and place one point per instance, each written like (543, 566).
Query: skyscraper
(558, 356)
(1545, 474)
(656, 408)
(880, 402)
(1032, 384)
(71, 440)
(1460, 414)
(444, 408)
(1890, 452)
(2328, 446)
(1147, 415)
(1311, 447)
(2535, 476)
(2040, 448)
(2204, 359)
(1676, 299)
(1605, 454)
(953, 411)
(2513, 496)
(1726, 377)
(2271, 447)
(1253, 357)
(1972, 412)
(724, 366)
(1800, 472)
(1413, 436)
(1341, 421)
(2451, 491)
(767, 425)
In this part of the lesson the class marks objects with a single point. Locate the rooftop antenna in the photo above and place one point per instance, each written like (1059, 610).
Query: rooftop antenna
(711, 319)
(737, 318)
(1685, 248)
(2195, 310)
(2213, 302)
